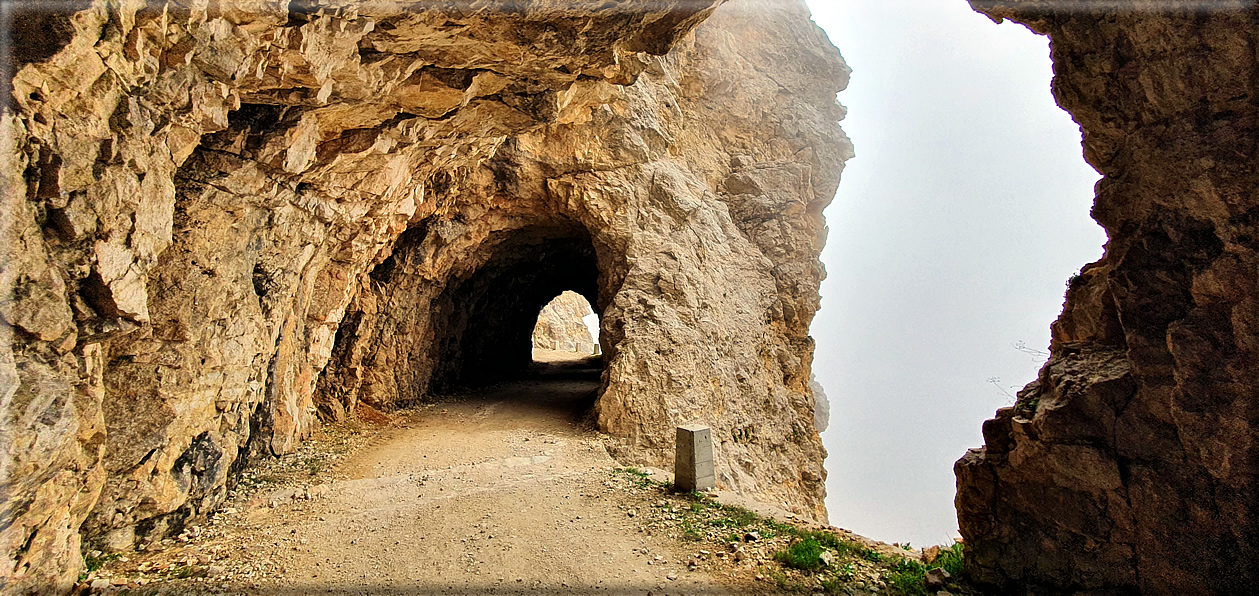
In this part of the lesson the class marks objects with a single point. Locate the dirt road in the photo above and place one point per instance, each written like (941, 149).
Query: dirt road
(500, 491)
(507, 490)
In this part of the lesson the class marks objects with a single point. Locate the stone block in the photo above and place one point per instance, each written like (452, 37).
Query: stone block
(693, 463)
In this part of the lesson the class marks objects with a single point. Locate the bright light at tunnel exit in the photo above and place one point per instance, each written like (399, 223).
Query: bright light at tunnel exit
(951, 238)
(568, 323)
(592, 326)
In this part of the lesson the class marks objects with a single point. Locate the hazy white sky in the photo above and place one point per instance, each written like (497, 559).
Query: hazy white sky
(951, 238)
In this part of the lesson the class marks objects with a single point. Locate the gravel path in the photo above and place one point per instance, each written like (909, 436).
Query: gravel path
(507, 490)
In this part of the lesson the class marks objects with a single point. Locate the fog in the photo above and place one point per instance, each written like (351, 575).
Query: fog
(951, 239)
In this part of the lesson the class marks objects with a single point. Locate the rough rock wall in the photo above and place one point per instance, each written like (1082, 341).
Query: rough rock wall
(560, 325)
(1132, 463)
(690, 203)
(220, 219)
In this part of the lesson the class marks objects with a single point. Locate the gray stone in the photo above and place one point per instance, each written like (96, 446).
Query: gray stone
(693, 465)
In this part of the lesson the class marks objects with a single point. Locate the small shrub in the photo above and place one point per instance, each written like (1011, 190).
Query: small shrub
(908, 566)
(803, 554)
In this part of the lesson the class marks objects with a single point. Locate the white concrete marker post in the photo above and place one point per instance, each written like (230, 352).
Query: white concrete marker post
(693, 463)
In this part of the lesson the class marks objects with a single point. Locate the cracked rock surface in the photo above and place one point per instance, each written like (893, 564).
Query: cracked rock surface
(1132, 463)
(226, 221)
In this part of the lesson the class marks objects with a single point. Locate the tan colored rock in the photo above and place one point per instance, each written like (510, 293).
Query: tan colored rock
(1130, 465)
(560, 326)
(224, 221)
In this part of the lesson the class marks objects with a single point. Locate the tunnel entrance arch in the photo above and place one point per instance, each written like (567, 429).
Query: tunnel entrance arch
(483, 322)
(453, 308)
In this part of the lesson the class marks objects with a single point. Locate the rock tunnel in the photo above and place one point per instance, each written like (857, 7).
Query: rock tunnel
(494, 311)
(227, 223)
(481, 323)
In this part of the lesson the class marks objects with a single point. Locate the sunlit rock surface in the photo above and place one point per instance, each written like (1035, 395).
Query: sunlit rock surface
(560, 326)
(225, 222)
(1131, 464)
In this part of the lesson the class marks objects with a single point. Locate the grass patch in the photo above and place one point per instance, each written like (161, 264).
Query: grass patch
(691, 495)
(689, 532)
(727, 522)
(871, 555)
(827, 540)
(640, 478)
(739, 516)
(906, 575)
(805, 555)
(838, 582)
(951, 559)
(798, 566)
(632, 472)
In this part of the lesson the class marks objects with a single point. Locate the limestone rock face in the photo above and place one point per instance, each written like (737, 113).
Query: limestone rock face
(560, 325)
(225, 221)
(1132, 463)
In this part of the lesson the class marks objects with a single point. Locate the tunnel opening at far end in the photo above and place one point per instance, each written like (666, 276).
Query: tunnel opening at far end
(567, 330)
(486, 321)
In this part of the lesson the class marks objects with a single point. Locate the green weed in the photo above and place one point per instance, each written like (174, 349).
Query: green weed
(632, 472)
(951, 559)
(803, 554)
(837, 583)
(689, 532)
(906, 576)
(870, 555)
(641, 479)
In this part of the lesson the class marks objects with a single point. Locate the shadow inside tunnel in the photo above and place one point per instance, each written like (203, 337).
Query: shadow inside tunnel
(557, 387)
